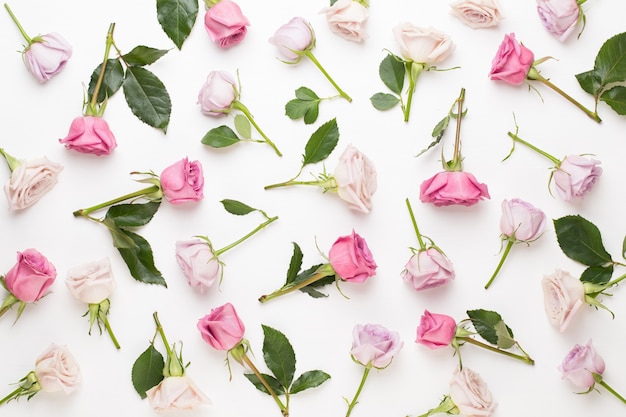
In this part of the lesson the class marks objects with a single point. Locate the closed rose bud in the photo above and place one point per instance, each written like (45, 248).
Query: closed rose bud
(225, 23)
(29, 279)
(426, 46)
(294, 38)
(222, 328)
(183, 182)
(47, 56)
(352, 259)
(435, 330)
(356, 179)
(580, 364)
(57, 370)
(559, 17)
(521, 221)
(90, 134)
(512, 61)
(217, 94)
(575, 176)
(92, 282)
(374, 345)
(427, 269)
(198, 263)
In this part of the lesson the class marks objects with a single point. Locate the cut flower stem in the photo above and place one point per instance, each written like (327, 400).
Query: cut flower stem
(354, 401)
(343, 94)
(612, 391)
(19, 26)
(534, 148)
(323, 271)
(283, 409)
(507, 249)
(524, 358)
(417, 232)
(238, 241)
(140, 193)
(240, 106)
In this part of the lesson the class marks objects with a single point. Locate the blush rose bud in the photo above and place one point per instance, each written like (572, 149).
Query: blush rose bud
(91, 135)
(560, 17)
(183, 182)
(225, 23)
(348, 18)
(218, 93)
(477, 13)
(222, 328)
(435, 331)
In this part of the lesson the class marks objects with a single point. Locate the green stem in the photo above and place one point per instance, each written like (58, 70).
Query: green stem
(533, 74)
(456, 155)
(235, 243)
(417, 232)
(19, 26)
(12, 394)
(609, 389)
(283, 409)
(111, 334)
(446, 406)
(322, 272)
(145, 191)
(240, 106)
(509, 245)
(343, 94)
(358, 391)
(327, 184)
(93, 103)
(415, 69)
(534, 148)
(523, 358)
(615, 281)
(162, 333)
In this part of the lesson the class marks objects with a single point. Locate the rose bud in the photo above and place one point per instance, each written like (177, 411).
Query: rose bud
(182, 182)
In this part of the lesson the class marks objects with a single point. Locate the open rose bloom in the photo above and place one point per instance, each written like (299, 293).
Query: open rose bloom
(563, 297)
(559, 17)
(512, 61)
(470, 394)
(521, 221)
(427, 46)
(351, 258)
(176, 393)
(57, 370)
(435, 331)
(226, 24)
(348, 18)
(30, 181)
(477, 13)
(183, 182)
(427, 269)
(91, 282)
(580, 365)
(356, 179)
(90, 134)
(374, 345)
(575, 176)
(217, 94)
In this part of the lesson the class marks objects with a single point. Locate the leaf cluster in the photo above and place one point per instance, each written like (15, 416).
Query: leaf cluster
(392, 71)
(490, 326)
(177, 18)
(295, 275)
(304, 106)
(223, 136)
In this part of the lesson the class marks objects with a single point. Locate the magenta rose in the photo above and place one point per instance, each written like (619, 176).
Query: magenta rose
(222, 328)
(512, 61)
(559, 17)
(374, 345)
(30, 277)
(225, 23)
(47, 55)
(453, 187)
(294, 38)
(435, 330)
(580, 365)
(90, 134)
(183, 182)
(575, 176)
(351, 259)
(428, 268)
(521, 221)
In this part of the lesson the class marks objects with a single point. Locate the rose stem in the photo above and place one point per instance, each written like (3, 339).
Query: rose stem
(327, 75)
(609, 389)
(326, 183)
(110, 331)
(232, 245)
(534, 148)
(323, 271)
(413, 74)
(456, 156)
(139, 193)
(91, 108)
(12, 394)
(524, 358)
(358, 391)
(417, 232)
(509, 244)
(19, 26)
(284, 410)
(240, 106)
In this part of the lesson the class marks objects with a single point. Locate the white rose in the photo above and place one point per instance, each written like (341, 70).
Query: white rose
(427, 46)
(91, 282)
(470, 394)
(30, 181)
(477, 13)
(347, 18)
(176, 393)
(57, 370)
(356, 179)
(563, 296)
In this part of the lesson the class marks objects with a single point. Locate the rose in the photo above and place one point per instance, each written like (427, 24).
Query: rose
(351, 258)
(580, 365)
(222, 328)
(183, 181)
(217, 94)
(225, 23)
(374, 345)
(30, 181)
(428, 268)
(512, 61)
(293, 39)
(563, 296)
(470, 394)
(57, 370)
(356, 179)
(575, 176)
(32, 275)
(90, 134)
(347, 18)
(435, 330)
(477, 13)
(92, 282)
(521, 221)
(47, 55)
(453, 187)
(426, 46)
(559, 17)
(176, 393)
(198, 263)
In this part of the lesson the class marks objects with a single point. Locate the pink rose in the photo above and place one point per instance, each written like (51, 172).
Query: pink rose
(198, 262)
(293, 39)
(512, 61)
(347, 18)
(225, 23)
(92, 282)
(428, 268)
(351, 259)
(47, 56)
(30, 181)
(30, 277)
(580, 364)
(521, 221)
(435, 330)
(559, 17)
(426, 46)
(176, 393)
(183, 181)
(374, 345)
(90, 134)
(222, 328)
(57, 370)
(217, 94)
(563, 296)
(477, 13)
(453, 187)
(356, 179)
(470, 394)
(575, 176)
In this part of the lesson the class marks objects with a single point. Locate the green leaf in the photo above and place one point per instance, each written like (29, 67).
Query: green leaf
(597, 274)
(321, 143)
(505, 337)
(177, 18)
(296, 109)
(438, 132)
(311, 288)
(147, 370)
(616, 99)
(309, 379)
(237, 207)
(624, 248)
(392, 72)
(112, 81)
(220, 137)
(581, 241)
(147, 97)
(306, 94)
(271, 381)
(333, 2)
(384, 101)
(590, 82)
(279, 355)
(485, 322)
(243, 126)
(132, 215)
(610, 64)
(140, 260)
(294, 264)
(143, 55)
(120, 238)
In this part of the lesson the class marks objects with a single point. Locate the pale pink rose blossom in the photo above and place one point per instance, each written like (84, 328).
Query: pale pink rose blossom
(374, 345)
(356, 179)
(90, 134)
(471, 395)
(477, 13)
(225, 23)
(575, 176)
(348, 18)
(57, 370)
(427, 46)
(580, 364)
(435, 331)
(183, 182)
(351, 258)
(521, 221)
(294, 38)
(198, 262)
(30, 181)
(217, 94)
(91, 282)
(176, 393)
(563, 296)
(559, 17)
(427, 269)
(46, 57)
(222, 328)
(512, 61)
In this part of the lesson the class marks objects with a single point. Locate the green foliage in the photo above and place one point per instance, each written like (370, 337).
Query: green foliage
(384, 101)
(295, 276)
(581, 241)
(140, 260)
(309, 379)
(243, 126)
(321, 143)
(147, 97)
(597, 274)
(270, 380)
(147, 370)
(111, 81)
(143, 55)
(132, 215)
(220, 137)
(491, 327)
(177, 18)
(392, 71)
(616, 99)
(294, 264)
(305, 105)
(237, 207)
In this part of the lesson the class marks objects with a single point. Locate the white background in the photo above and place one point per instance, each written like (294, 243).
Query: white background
(35, 116)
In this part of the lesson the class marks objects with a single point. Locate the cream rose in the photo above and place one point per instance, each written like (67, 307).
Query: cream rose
(356, 179)
(347, 18)
(426, 46)
(91, 282)
(30, 181)
(57, 370)
(477, 13)
(470, 394)
(563, 296)
(176, 393)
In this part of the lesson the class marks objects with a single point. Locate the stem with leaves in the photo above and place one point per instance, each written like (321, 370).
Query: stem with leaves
(524, 358)
(323, 271)
(354, 401)
(246, 359)
(91, 108)
(140, 193)
(342, 93)
(240, 106)
(415, 69)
